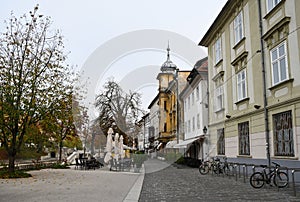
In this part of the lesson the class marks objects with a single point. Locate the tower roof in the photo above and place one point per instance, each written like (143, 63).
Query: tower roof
(168, 65)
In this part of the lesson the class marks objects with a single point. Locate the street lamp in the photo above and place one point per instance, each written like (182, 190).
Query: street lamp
(206, 143)
(177, 104)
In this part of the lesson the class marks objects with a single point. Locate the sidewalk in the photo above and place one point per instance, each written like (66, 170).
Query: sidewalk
(187, 184)
(159, 181)
(55, 185)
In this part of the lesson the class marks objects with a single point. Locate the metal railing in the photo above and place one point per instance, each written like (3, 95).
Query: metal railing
(294, 170)
(244, 170)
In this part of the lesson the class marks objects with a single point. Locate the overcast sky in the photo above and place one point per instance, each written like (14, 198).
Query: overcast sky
(93, 24)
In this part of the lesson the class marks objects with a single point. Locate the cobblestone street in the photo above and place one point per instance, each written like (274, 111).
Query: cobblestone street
(187, 184)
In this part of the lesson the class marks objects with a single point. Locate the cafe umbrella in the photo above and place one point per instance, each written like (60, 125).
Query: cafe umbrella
(109, 145)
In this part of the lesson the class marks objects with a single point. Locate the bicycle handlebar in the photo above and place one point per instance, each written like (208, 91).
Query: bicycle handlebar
(276, 164)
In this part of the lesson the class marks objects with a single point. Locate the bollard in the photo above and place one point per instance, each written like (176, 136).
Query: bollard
(230, 170)
(244, 173)
(293, 176)
(276, 171)
(235, 169)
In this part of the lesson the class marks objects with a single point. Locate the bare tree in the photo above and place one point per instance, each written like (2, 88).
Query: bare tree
(118, 109)
(33, 77)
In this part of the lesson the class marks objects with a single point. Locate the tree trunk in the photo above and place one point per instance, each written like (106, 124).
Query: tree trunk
(93, 143)
(11, 163)
(60, 150)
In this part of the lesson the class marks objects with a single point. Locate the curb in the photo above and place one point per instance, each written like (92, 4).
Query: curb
(135, 191)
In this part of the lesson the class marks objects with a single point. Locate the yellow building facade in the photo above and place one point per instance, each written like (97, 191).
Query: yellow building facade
(171, 82)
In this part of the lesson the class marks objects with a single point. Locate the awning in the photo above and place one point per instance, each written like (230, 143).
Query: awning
(171, 144)
(185, 143)
(159, 145)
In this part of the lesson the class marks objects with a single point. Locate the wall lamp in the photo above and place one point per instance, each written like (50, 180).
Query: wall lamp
(228, 116)
(256, 106)
(205, 130)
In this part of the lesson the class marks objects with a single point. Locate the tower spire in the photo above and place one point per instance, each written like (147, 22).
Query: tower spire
(168, 65)
(168, 50)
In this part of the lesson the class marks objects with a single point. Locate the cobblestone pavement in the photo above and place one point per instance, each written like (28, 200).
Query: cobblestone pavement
(187, 184)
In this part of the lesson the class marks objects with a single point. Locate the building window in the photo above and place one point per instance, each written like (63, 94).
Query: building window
(279, 63)
(218, 51)
(189, 126)
(244, 144)
(198, 121)
(193, 98)
(272, 4)
(221, 142)
(165, 105)
(189, 102)
(241, 85)
(283, 134)
(238, 28)
(197, 93)
(193, 123)
(165, 127)
(219, 98)
(151, 131)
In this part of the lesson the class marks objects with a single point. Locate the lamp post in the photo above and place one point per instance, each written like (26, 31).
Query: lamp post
(177, 104)
(206, 142)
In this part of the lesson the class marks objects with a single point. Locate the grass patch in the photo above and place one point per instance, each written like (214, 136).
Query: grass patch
(5, 174)
(60, 166)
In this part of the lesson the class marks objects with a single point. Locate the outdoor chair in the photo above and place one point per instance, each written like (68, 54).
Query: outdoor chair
(77, 164)
(91, 164)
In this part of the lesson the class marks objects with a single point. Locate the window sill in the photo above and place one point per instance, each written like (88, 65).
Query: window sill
(219, 110)
(244, 156)
(218, 63)
(285, 157)
(278, 85)
(242, 100)
(239, 43)
(273, 10)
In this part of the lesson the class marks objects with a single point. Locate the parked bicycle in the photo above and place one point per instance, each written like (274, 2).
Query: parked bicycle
(215, 165)
(275, 176)
(204, 167)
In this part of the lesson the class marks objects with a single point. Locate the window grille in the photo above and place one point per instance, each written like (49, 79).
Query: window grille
(244, 144)
(283, 134)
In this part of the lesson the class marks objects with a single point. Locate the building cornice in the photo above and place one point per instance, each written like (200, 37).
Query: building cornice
(221, 19)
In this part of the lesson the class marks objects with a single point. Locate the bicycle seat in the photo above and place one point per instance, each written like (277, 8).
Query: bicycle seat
(276, 164)
(263, 166)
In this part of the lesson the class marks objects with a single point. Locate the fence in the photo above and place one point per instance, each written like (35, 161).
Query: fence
(34, 165)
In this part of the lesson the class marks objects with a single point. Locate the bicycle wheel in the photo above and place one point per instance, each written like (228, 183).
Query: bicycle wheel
(203, 169)
(281, 179)
(216, 169)
(257, 180)
(227, 170)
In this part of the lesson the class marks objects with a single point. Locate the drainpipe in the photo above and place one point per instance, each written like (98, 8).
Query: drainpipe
(264, 85)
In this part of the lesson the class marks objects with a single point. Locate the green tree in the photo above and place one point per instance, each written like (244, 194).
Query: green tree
(33, 76)
(60, 123)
